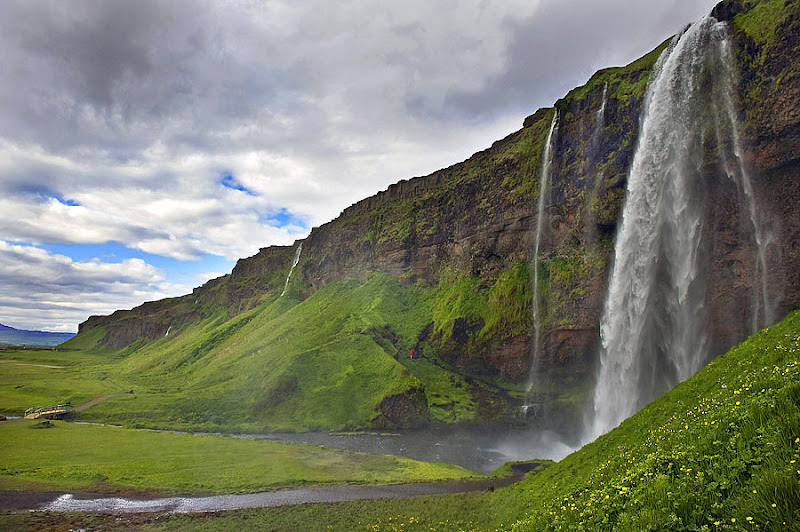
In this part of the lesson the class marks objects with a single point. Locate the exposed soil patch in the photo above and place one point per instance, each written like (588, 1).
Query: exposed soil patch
(95, 401)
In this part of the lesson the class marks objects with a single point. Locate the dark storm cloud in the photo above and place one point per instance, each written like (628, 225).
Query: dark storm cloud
(116, 74)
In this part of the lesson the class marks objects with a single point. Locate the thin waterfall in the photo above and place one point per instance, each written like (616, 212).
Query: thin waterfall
(601, 113)
(761, 305)
(590, 216)
(296, 260)
(653, 328)
(544, 186)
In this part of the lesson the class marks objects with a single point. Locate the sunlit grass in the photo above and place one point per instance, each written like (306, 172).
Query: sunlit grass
(69, 456)
(37, 378)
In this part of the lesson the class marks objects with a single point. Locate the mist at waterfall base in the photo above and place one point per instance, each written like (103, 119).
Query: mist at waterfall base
(654, 329)
(479, 448)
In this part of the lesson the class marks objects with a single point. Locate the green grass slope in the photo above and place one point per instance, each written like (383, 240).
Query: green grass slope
(719, 452)
(30, 378)
(328, 362)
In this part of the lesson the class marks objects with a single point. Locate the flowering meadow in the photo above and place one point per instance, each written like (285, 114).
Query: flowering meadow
(719, 452)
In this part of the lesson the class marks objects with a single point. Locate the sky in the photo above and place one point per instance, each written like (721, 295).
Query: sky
(146, 146)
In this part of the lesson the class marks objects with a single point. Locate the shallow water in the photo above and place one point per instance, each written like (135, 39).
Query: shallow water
(118, 505)
(480, 449)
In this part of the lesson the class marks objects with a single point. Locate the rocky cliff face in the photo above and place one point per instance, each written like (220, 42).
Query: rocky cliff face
(467, 231)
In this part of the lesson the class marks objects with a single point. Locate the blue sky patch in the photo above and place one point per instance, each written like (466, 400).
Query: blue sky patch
(188, 273)
(282, 218)
(229, 181)
(69, 202)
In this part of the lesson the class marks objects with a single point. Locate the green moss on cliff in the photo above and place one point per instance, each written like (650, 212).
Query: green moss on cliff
(623, 82)
(457, 296)
(761, 21)
(509, 308)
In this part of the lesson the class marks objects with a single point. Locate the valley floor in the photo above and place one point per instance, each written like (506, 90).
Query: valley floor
(721, 452)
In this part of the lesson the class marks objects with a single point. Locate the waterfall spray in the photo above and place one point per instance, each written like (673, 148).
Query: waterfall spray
(296, 260)
(653, 328)
(544, 186)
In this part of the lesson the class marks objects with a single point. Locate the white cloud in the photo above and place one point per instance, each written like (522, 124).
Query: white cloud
(40, 290)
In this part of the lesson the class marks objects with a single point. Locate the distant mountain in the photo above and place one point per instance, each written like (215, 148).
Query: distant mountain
(10, 335)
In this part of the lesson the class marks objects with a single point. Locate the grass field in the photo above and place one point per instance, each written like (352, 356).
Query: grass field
(30, 378)
(69, 456)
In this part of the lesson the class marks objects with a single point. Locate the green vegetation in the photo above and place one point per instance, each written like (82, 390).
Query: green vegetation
(762, 20)
(458, 296)
(69, 457)
(289, 367)
(721, 452)
(509, 303)
(36, 378)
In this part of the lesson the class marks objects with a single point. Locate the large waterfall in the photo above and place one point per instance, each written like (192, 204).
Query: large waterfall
(655, 321)
(544, 188)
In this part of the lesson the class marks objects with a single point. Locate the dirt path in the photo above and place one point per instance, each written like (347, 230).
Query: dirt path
(95, 401)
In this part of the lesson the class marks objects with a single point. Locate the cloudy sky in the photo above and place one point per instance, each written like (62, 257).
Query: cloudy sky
(146, 145)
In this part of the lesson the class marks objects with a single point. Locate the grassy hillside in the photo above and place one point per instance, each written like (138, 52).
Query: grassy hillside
(336, 360)
(719, 452)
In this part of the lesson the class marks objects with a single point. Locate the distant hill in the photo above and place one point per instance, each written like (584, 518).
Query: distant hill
(10, 335)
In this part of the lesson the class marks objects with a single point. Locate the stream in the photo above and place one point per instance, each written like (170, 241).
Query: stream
(480, 449)
(266, 499)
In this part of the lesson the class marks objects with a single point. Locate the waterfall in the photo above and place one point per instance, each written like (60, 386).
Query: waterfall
(593, 160)
(761, 304)
(601, 113)
(653, 328)
(544, 186)
(294, 263)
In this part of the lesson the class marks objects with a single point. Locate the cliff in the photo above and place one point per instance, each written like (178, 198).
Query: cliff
(461, 239)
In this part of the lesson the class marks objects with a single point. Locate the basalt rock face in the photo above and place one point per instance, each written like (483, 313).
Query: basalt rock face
(770, 98)
(474, 223)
